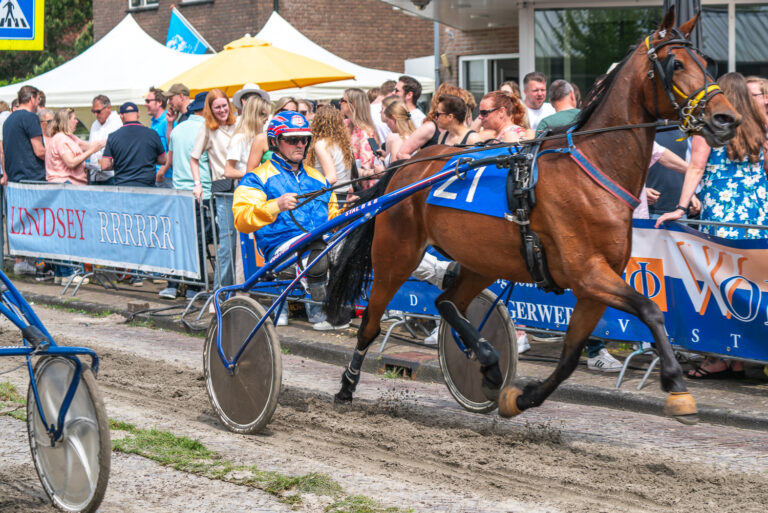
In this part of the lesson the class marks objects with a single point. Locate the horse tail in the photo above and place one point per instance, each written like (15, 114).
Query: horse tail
(350, 272)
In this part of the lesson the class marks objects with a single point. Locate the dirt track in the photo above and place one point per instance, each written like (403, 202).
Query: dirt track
(397, 444)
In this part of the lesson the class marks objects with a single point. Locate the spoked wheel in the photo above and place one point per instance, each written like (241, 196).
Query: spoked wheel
(462, 375)
(245, 399)
(75, 470)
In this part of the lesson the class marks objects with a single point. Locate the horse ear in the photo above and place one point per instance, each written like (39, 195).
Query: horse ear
(687, 27)
(668, 23)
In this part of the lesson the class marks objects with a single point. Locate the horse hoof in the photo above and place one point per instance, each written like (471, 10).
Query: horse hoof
(682, 406)
(342, 399)
(688, 420)
(508, 402)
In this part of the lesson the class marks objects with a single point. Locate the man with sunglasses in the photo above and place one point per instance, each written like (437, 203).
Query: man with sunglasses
(107, 121)
(266, 195)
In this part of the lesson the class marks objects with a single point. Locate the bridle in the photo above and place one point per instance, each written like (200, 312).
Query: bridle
(664, 69)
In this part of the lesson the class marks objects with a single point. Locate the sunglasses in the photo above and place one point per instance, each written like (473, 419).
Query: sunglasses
(484, 113)
(295, 140)
(304, 112)
(438, 114)
(98, 111)
(148, 100)
(342, 101)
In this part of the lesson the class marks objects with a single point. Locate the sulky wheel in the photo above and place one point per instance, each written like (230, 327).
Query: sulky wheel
(463, 375)
(245, 399)
(74, 471)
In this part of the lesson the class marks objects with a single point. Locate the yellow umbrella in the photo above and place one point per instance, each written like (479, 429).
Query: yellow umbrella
(252, 60)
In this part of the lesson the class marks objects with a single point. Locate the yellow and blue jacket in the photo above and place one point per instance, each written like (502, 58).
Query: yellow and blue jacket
(255, 203)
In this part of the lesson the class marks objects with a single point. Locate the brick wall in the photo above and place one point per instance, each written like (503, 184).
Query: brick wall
(367, 32)
(455, 43)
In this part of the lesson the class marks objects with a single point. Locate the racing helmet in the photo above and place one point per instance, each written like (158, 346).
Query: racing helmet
(287, 123)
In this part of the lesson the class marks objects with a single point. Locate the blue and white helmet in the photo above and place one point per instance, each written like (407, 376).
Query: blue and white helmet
(288, 123)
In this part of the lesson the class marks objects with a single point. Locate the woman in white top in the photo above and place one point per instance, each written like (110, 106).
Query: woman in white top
(249, 134)
(331, 150)
(214, 137)
(395, 115)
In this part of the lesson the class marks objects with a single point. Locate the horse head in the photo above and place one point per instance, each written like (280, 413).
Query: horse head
(680, 87)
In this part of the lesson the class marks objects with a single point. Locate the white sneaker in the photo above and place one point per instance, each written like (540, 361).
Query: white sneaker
(522, 343)
(327, 326)
(283, 319)
(24, 267)
(431, 340)
(604, 362)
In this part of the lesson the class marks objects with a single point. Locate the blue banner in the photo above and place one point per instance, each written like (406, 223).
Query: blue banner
(183, 37)
(145, 229)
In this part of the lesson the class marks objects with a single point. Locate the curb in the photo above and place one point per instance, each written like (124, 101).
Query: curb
(429, 371)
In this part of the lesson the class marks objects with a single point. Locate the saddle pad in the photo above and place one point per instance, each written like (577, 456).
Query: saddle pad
(482, 191)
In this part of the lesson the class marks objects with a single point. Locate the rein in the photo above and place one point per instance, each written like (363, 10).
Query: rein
(312, 195)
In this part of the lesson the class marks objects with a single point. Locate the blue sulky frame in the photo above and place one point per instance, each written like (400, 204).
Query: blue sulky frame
(38, 342)
(352, 218)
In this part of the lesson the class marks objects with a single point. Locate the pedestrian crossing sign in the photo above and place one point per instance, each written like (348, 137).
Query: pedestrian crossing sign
(21, 24)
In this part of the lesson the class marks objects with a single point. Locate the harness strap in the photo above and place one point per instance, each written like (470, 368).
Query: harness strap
(590, 169)
(598, 176)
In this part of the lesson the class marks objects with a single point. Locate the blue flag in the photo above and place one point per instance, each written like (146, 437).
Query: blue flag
(183, 37)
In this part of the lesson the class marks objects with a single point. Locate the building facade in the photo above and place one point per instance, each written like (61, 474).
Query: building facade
(370, 33)
(483, 43)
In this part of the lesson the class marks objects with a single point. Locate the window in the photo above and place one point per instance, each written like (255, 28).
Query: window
(751, 40)
(141, 4)
(480, 74)
(578, 45)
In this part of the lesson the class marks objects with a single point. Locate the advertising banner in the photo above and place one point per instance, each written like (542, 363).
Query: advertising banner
(713, 293)
(137, 228)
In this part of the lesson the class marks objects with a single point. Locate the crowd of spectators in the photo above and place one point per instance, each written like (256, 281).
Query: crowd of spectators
(209, 143)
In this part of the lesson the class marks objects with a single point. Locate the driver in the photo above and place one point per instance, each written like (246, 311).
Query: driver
(266, 194)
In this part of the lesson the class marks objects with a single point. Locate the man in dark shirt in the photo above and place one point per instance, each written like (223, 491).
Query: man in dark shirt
(667, 182)
(133, 151)
(23, 140)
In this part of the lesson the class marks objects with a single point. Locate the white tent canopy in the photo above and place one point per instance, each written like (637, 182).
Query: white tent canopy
(123, 65)
(283, 35)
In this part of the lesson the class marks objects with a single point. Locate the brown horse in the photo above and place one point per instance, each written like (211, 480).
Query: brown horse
(585, 230)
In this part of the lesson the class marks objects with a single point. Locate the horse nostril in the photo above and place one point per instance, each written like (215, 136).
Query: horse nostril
(725, 120)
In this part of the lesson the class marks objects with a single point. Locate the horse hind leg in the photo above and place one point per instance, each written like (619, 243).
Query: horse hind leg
(351, 375)
(452, 305)
(389, 274)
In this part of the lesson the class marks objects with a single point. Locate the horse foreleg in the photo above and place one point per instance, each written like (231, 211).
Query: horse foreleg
(584, 318)
(608, 288)
(452, 304)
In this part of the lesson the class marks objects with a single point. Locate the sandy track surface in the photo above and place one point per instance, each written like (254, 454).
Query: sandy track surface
(403, 444)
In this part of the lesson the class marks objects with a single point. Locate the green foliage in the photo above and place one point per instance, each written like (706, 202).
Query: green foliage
(9, 393)
(12, 402)
(68, 32)
(360, 504)
(187, 455)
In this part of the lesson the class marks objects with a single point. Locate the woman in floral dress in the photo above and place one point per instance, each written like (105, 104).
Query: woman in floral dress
(734, 189)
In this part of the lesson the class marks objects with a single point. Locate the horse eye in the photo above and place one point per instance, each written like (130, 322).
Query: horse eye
(679, 65)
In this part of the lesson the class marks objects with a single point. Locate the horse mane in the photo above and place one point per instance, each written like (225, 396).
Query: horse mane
(599, 90)
(350, 271)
